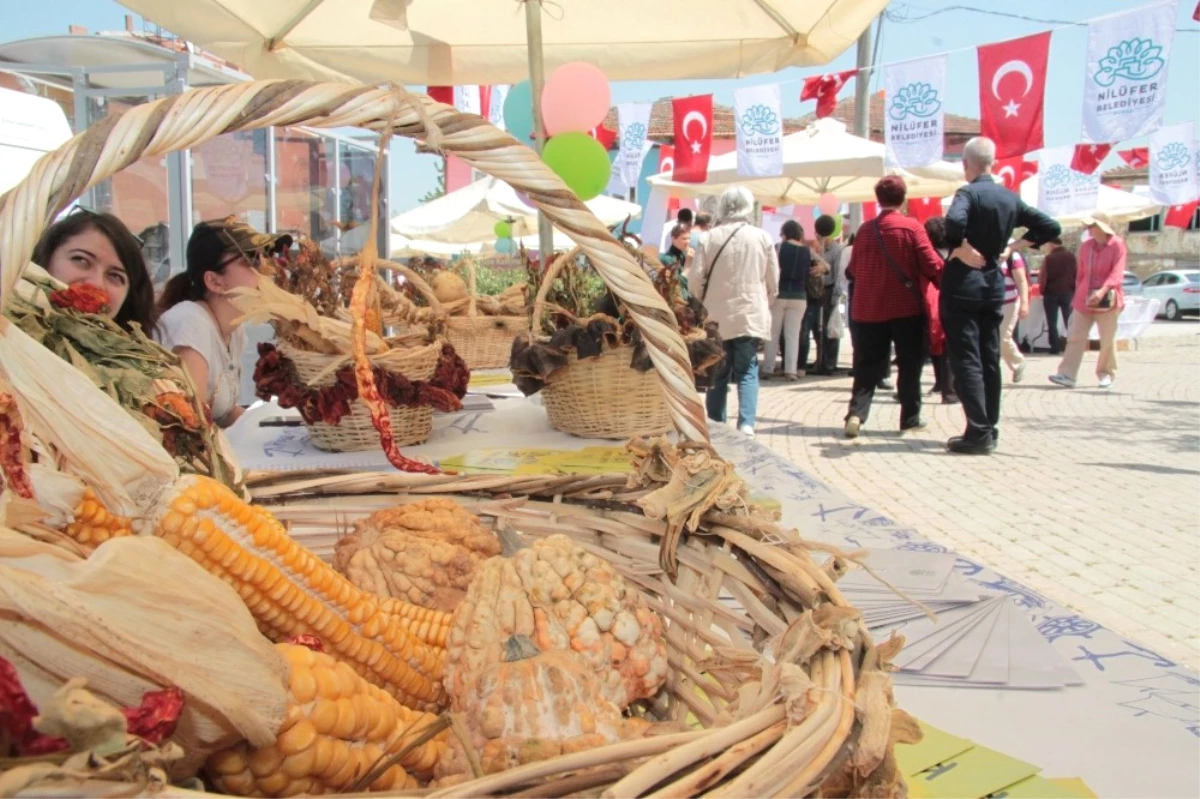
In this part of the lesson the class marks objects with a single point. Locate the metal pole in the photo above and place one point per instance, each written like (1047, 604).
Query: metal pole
(537, 78)
(272, 200)
(179, 185)
(862, 106)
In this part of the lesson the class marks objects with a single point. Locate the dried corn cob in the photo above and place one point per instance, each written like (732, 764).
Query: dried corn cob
(93, 524)
(291, 592)
(337, 728)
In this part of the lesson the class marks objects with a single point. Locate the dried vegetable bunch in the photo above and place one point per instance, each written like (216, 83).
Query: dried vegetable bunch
(535, 360)
(145, 379)
(308, 274)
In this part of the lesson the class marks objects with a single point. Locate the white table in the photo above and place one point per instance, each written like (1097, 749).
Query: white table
(1137, 316)
(1131, 730)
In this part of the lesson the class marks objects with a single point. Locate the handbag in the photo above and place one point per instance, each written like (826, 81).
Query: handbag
(713, 265)
(905, 279)
(1109, 298)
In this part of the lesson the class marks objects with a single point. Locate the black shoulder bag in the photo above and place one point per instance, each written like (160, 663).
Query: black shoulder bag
(713, 265)
(905, 279)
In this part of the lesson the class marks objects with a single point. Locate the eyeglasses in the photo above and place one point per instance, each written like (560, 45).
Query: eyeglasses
(79, 209)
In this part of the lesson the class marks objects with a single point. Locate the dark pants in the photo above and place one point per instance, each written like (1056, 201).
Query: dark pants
(943, 380)
(1053, 303)
(741, 367)
(872, 354)
(973, 345)
(816, 324)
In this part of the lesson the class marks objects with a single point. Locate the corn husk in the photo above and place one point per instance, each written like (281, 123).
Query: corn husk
(269, 303)
(118, 620)
(88, 433)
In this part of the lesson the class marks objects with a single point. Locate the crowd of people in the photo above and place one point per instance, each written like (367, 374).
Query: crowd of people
(950, 291)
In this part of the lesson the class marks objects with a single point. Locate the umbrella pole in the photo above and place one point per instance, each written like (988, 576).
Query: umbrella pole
(537, 78)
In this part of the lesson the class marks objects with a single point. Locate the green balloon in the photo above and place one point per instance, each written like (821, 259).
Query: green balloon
(580, 161)
(502, 229)
(837, 226)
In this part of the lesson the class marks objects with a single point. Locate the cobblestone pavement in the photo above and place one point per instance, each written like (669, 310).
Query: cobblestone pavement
(1093, 497)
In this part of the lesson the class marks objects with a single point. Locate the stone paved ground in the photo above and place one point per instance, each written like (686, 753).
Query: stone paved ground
(1093, 498)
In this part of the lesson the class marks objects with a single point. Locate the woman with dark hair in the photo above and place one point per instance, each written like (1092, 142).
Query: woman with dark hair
(97, 248)
(943, 380)
(787, 311)
(891, 261)
(199, 320)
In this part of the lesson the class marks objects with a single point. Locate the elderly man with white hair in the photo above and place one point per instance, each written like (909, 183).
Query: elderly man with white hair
(735, 273)
(979, 225)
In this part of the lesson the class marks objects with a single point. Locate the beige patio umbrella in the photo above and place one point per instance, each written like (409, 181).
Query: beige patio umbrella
(455, 42)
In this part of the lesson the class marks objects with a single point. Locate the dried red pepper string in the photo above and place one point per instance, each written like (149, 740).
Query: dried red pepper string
(11, 461)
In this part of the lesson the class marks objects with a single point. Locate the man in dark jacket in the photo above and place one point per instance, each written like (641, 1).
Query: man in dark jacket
(979, 225)
(1057, 281)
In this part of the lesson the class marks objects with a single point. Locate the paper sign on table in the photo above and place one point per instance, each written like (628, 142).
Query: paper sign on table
(977, 772)
(501, 461)
(480, 379)
(936, 746)
(1076, 785)
(1037, 787)
(589, 460)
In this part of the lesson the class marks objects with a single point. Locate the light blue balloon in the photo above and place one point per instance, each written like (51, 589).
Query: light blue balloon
(518, 112)
(504, 246)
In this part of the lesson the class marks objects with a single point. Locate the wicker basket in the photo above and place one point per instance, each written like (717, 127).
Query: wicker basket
(355, 431)
(600, 397)
(484, 342)
(739, 583)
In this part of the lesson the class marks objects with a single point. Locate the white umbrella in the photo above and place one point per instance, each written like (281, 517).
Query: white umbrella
(1120, 206)
(456, 42)
(469, 215)
(822, 158)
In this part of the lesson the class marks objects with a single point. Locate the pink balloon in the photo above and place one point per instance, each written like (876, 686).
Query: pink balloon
(829, 204)
(575, 99)
(808, 224)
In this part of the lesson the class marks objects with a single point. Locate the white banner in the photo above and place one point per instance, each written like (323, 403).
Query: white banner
(466, 99)
(654, 217)
(1125, 81)
(759, 131)
(496, 112)
(1172, 165)
(633, 125)
(915, 94)
(1062, 190)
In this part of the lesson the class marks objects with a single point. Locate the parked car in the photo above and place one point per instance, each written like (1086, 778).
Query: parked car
(1177, 291)
(1132, 286)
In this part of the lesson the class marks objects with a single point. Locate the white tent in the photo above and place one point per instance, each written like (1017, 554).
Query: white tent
(1120, 206)
(30, 127)
(456, 42)
(464, 220)
(822, 158)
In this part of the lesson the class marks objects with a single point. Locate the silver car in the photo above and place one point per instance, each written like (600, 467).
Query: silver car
(1177, 291)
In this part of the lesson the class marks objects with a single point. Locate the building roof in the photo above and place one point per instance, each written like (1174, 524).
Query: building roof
(662, 122)
(844, 112)
(1125, 175)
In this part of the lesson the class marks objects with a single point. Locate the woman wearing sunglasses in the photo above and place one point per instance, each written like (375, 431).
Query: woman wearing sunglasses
(96, 248)
(199, 320)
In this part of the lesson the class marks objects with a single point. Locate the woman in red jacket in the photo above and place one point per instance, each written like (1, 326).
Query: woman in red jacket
(943, 380)
(891, 262)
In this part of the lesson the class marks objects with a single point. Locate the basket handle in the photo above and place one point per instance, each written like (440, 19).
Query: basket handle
(552, 270)
(470, 286)
(190, 119)
(419, 283)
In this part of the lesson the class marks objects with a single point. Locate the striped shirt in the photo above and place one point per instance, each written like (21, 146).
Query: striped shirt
(1007, 267)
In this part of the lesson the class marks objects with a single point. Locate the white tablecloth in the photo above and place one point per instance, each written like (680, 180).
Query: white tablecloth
(1137, 316)
(1130, 730)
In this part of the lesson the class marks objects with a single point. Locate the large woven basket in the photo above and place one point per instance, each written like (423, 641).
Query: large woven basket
(728, 585)
(601, 397)
(484, 342)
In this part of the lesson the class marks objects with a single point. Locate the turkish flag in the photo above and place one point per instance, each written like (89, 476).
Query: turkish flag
(869, 211)
(666, 159)
(1015, 171)
(1087, 157)
(604, 136)
(1012, 93)
(485, 102)
(443, 94)
(1136, 157)
(824, 89)
(1180, 216)
(1196, 13)
(924, 208)
(693, 137)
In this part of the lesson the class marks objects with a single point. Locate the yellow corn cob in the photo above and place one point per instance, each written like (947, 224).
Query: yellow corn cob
(292, 592)
(93, 524)
(337, 728)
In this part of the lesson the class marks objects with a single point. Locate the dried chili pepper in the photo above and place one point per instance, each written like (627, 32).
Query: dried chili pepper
(11, 460)
(82, 297)
(308, 640)
(155, 719)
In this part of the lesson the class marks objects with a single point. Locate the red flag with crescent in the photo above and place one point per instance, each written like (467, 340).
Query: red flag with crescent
(1087, 157)
(1180, 216)
(824, 89)
(1014, 171)
(603, 135)
(1136, 157)
(693, 137)
(1012, 93)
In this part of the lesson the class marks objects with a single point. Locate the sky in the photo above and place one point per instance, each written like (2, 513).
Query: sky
(955, 30)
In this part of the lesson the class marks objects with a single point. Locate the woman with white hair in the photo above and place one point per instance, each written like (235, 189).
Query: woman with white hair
(735, 273)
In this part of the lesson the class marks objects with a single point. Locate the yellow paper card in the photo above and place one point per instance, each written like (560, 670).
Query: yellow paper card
(496, 461)
(591, 460)
(1076, 785)
(479, 380)
(936, 747)
(975, 773)
(1041, 788)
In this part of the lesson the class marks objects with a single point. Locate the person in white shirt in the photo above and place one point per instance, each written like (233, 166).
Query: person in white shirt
(682, 217)
(735, 274)
(198, 318)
